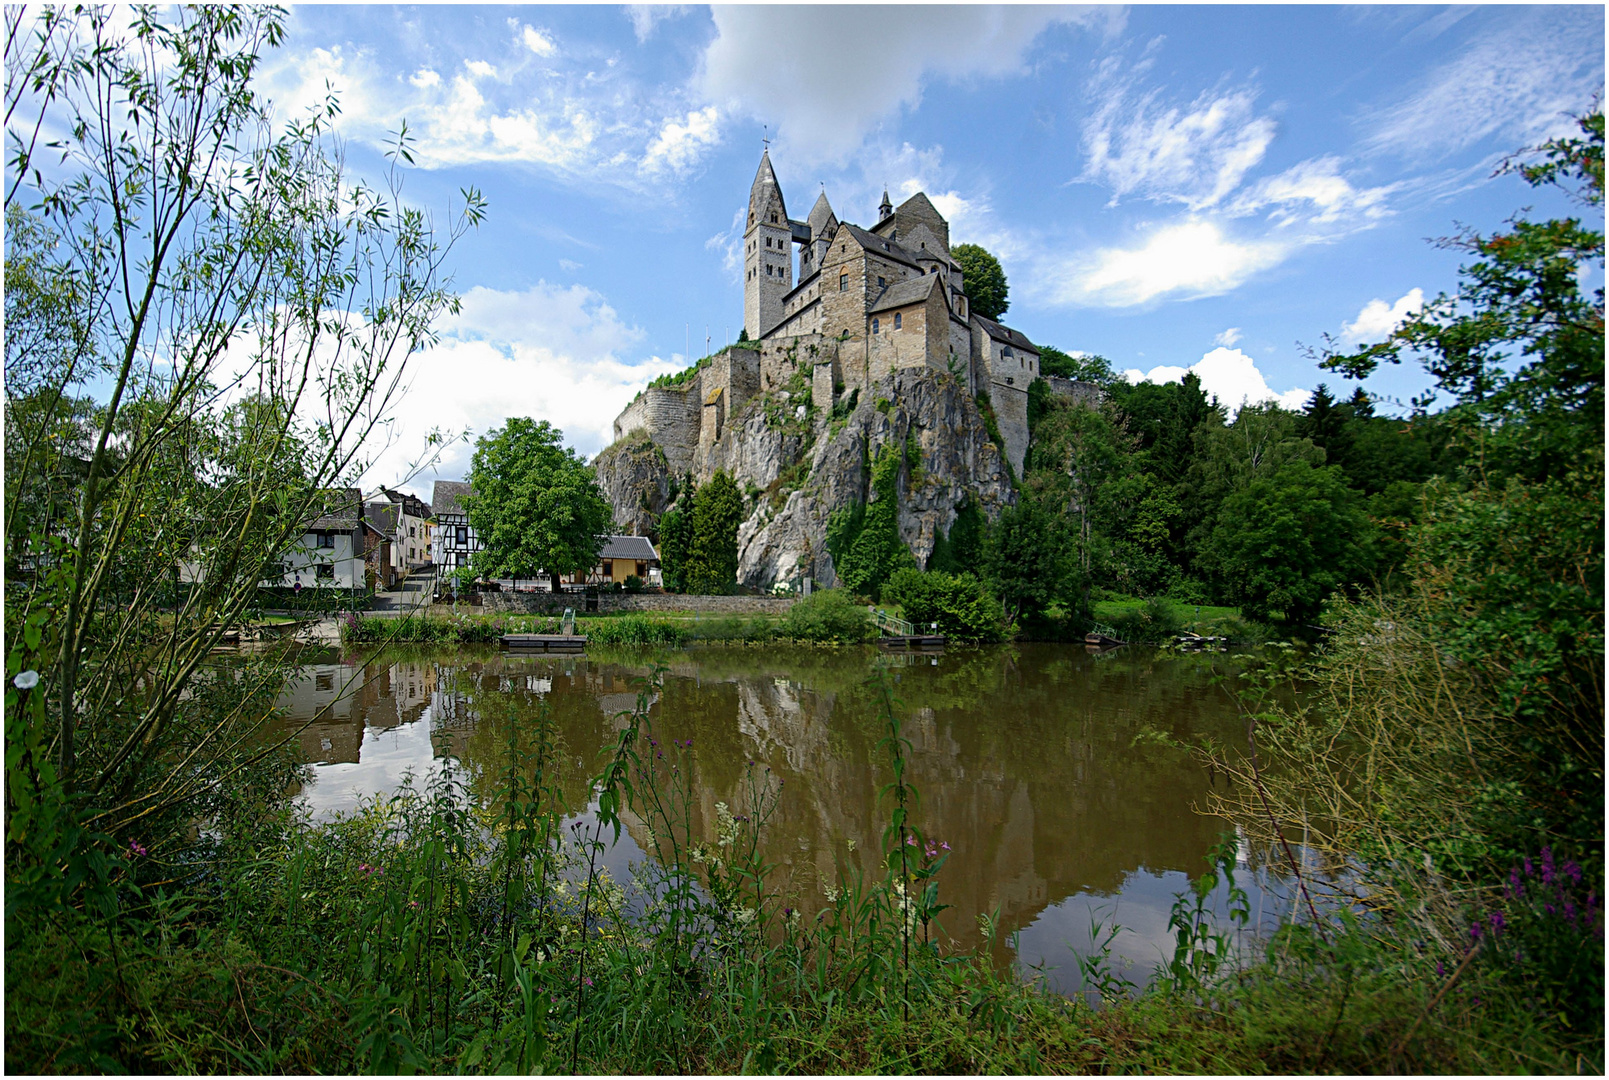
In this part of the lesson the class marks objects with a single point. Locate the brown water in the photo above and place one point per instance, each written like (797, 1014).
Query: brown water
(1038, 764)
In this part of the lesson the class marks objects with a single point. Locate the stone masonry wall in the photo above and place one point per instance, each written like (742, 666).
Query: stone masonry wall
(671, 416)
(1011, 417)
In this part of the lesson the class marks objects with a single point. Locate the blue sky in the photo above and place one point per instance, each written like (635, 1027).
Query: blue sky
(1171, 187)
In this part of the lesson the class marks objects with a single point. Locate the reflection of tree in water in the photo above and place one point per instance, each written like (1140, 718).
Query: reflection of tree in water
(1026, 758)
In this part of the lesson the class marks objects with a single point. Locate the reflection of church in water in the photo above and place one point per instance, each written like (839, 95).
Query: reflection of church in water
(1036, 804)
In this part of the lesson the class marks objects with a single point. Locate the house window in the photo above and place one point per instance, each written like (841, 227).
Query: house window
(324, 680)
(325, 572)
(880, 282)
(843, 282)
(463, 535)
(874, 326)
(410, 532)
(324, 540)
(897, 320)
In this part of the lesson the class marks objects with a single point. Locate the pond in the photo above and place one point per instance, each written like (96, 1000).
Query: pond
(1043, 767)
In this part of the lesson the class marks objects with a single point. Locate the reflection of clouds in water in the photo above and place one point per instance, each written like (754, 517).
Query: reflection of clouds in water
(387, 754)
(1141, 907)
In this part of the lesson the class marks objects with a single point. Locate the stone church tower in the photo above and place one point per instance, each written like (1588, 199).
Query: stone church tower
(767, 253)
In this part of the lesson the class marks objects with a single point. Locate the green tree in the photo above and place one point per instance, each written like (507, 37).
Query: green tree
(960, 549)
(712, 560)
(1087, 367)
(983, 280)
(535, 505)
(676, 540)
(1026, 564)
(1288, 539)
(1507, 568)
(960, 604)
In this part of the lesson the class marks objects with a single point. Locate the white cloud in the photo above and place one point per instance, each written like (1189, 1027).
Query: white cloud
(1229, 375)
(1228, 338)
(425, 78)
(1314, 192)
(569, 264)
(481, 69)
(548, 352)
(1519, 83)
(644, 17)
(1194, 155)
(680, 143)
(828, 75)
(1378, 318)
(538, 42)
(1188, 259)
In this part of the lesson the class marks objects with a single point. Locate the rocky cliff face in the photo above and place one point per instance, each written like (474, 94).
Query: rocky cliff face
(636, 479)
(800, 464)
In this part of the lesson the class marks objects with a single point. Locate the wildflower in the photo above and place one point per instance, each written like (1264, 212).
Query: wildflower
(1475, 932)
(831, 894)
(1440, 970)
(1497, 922)
(26, 680)
(744, 916)
(944, 845)
(414, 904)
(851, 844)
(136, 849)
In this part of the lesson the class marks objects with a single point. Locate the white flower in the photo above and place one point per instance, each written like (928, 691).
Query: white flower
(744, 916)
(831, 894)
(26, 680)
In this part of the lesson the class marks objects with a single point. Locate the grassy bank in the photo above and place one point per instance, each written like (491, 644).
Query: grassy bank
(433, 931)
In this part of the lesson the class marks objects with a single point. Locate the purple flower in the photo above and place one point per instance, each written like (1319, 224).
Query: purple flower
(1547, 866)
(1440, 970)
(945, 844)
(136, 849)
(1475, 932)
(1497, 922)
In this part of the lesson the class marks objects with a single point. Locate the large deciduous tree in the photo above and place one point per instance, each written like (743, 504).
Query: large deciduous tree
(207, 317)
(983, 280)
(535, 505)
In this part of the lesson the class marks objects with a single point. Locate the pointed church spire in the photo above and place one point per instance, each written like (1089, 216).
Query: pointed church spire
(765, 196)
(887, 208)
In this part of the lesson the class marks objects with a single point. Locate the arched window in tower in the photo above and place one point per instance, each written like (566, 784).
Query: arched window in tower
(874, 326)
(897, 320)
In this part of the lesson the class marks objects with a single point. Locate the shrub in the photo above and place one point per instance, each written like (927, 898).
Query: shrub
(830, 615)
(1152, 623)
(963, 606)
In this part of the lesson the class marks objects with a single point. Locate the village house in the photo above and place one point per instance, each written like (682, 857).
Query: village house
(453, 539)
(330, 553)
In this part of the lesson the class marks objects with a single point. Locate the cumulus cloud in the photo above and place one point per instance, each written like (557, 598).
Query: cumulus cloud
(425, 77)
(1194, 154)
(1192, 258)
(1228, 338)
(554, 353)
(680, 143)
(829, 75)
(1229, 375)
(1520, 83)
(1378, 318)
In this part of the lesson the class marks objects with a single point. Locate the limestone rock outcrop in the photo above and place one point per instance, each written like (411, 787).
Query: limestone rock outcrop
(637, 480)
(799, 464)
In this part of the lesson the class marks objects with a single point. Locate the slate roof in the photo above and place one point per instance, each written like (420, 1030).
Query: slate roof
(343, 508)
(1006, 334)
(901, 293)
(873, 242)
(381, 517)
(448, 497)
(628, 547)
(821, 218)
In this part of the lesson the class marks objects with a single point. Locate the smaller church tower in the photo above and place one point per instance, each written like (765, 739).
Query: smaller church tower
(767, 253)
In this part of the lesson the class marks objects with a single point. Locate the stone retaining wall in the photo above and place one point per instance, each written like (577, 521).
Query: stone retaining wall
(549, 604)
